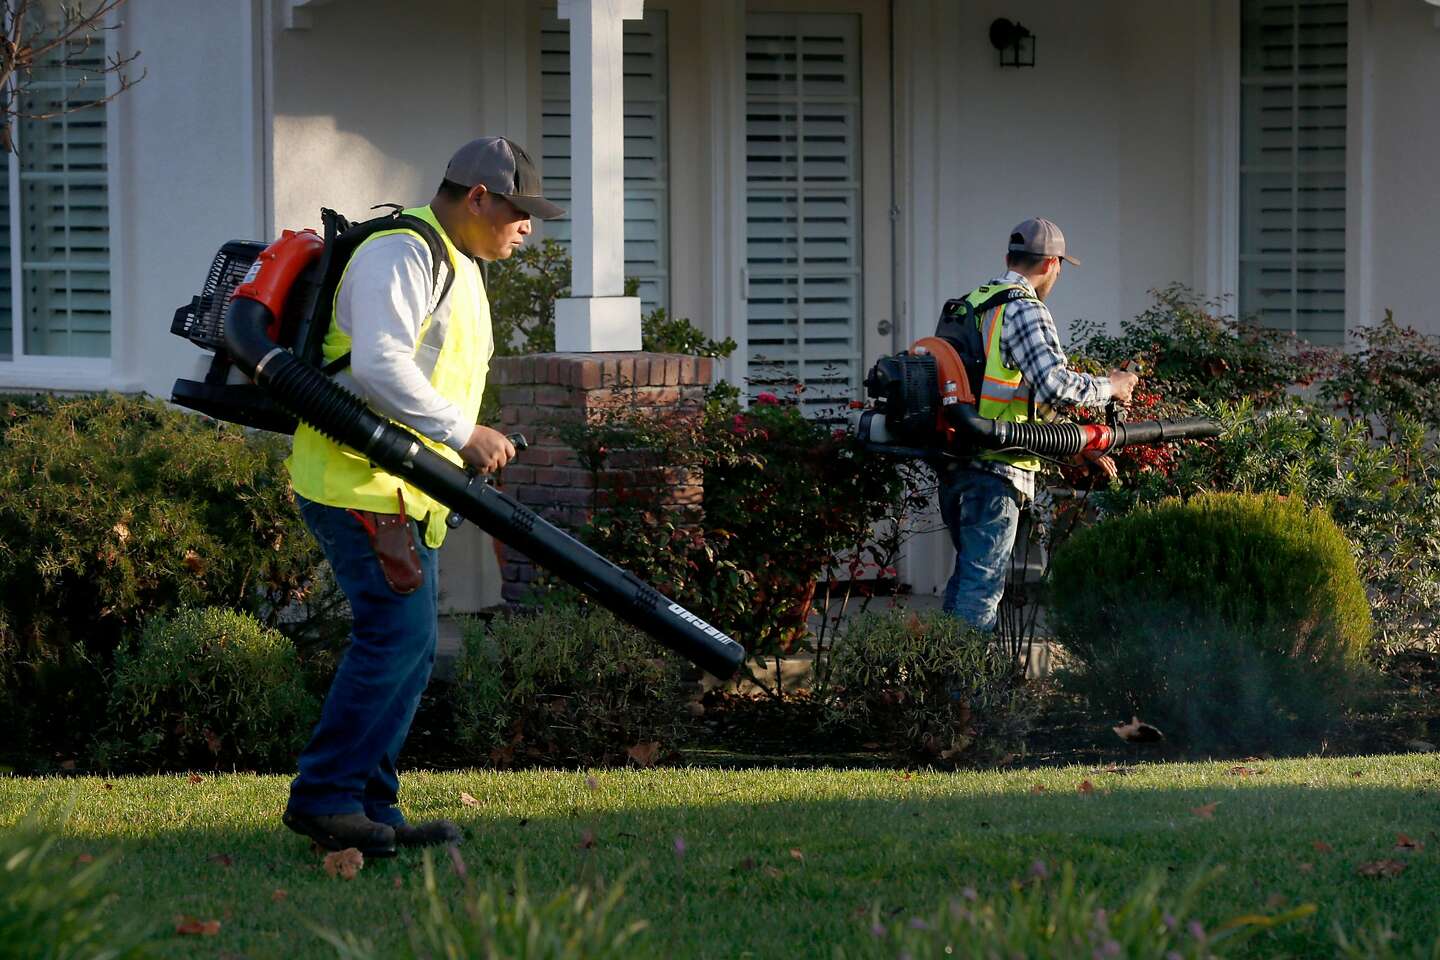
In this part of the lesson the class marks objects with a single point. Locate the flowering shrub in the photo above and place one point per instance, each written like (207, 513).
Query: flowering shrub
(1389, 375)
(786, 497)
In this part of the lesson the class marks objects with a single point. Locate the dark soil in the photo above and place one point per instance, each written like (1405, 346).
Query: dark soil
(739, 731)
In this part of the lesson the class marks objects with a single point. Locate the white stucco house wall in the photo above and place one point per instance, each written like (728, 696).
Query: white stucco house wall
(810, 177)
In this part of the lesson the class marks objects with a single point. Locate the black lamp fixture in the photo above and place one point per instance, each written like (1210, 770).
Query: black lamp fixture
(1015, 43)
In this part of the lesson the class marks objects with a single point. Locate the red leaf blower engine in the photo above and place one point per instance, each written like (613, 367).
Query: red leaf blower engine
(923, 405)
(263, 313)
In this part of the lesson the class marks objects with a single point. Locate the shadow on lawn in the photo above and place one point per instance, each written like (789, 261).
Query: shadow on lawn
(792, 876)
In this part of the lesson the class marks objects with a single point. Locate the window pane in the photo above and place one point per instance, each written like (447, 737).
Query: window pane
(647, 243)
(63, 205)
(1292, 166)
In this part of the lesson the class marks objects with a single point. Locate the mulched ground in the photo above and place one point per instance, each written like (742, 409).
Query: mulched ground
(741, 731)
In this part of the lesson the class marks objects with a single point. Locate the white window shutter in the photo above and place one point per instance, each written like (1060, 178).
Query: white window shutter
(802, 201)
(647, 242)
(1292, 165)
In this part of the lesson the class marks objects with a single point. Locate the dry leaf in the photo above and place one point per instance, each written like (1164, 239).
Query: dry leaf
(196, 778)
(907, 775)
(1242, 771)
(1381, 868)
(797, 854)
(1322, 847)
(591, 782)
(1038, 788)
(279, 895)
(122, 532)
(192, 927)
(468, 800)
(344, 863)
(1205, 811)
(85, 858)
(645, 754)
(772, 872)
(1086, 788)
(108, 786)
(193, 563)
(1137, 731)
(587, 840)
(745, 866)
(1306, 868)
(1403, 842)
(399, 884)
(223, 859)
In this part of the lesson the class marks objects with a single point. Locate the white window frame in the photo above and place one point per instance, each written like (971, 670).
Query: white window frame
(1217, 173)
(40, 372)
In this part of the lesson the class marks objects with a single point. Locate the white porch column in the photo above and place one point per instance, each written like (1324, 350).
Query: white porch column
(596, 317)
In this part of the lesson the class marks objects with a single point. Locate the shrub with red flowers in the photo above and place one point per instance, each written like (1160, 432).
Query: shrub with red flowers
(789, 501)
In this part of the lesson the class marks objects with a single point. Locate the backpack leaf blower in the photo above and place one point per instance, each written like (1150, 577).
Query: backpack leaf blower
(922, 405)
(260, 292)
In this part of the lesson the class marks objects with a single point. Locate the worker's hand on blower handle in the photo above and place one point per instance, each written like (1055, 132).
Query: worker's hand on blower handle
(1122, 384)
(1122, 390)
(487, 450)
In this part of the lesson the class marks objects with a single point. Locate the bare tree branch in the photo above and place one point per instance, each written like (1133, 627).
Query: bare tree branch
(56, 35)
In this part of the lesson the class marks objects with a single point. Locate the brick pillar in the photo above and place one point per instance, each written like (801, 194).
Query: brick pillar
(538, 390)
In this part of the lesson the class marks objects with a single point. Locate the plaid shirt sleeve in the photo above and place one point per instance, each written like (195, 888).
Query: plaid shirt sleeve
(1032, 346)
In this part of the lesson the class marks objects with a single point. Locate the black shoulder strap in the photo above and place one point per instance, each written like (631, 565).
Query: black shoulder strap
(357, 234)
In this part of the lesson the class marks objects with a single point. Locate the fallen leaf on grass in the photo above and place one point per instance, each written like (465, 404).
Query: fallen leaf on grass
(85, 858)
(193, 927)
(797, 854)
(1137, 731)
(279, 896)
(587, 841)
(1381, 868)
(1205, 811)
(1038, 788)
(744, 866)
(108, 786)
(195, 778)
(223, 859)
(1322, 847)
(907, 775)
(1306, 868)
(645, 754)
(1243, 771)
(398, 884)
(1086, 788)
(194, 563)
(773, 872)
(1403, 842)
(468, 800)
(344, 863)
(591, 783)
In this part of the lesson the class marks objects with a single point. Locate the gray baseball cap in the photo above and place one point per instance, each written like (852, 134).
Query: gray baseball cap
(505, 168)
(1041, 237)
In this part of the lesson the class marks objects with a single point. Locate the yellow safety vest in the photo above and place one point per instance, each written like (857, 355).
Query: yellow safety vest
(325, 472)
(1002, 395)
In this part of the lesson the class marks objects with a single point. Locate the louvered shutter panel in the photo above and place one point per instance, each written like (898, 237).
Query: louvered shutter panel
(802, 201)
(63, 207)
(647, 243)
(7, 292)
(1292, 172)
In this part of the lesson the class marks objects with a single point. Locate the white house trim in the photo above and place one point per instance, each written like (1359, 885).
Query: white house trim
(1217, 173)
(597, 317)
(1359, 150)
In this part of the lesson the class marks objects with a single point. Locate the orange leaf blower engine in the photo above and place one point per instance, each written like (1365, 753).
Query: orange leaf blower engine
(922, 404)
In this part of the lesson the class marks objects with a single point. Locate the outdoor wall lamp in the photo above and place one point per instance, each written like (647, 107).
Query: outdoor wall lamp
(1015, 43)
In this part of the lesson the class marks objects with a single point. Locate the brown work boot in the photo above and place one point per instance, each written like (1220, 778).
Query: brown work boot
(341, 831)
(431, 833)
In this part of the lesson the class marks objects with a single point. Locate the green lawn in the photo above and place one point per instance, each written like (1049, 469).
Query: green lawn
(861, 839)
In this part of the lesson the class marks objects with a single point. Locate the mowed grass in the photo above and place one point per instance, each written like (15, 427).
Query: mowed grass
(778, 862)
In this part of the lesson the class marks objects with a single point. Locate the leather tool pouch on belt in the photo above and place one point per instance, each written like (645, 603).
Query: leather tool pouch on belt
(393, 540)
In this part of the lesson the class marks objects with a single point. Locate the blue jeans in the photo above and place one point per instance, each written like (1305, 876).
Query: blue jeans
(349, 764)
(982, 511)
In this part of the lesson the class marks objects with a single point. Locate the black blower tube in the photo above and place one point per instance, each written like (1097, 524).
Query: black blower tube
(344, 417)
(1069, 439)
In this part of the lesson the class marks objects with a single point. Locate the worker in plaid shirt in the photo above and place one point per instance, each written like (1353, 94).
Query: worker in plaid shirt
(980, 499)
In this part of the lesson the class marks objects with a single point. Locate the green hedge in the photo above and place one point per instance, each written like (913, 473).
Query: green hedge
(1229, 620)
(114, 510)
(207, 688)
(566, 685)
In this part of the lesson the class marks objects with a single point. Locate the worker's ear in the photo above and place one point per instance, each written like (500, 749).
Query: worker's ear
(475, 199)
